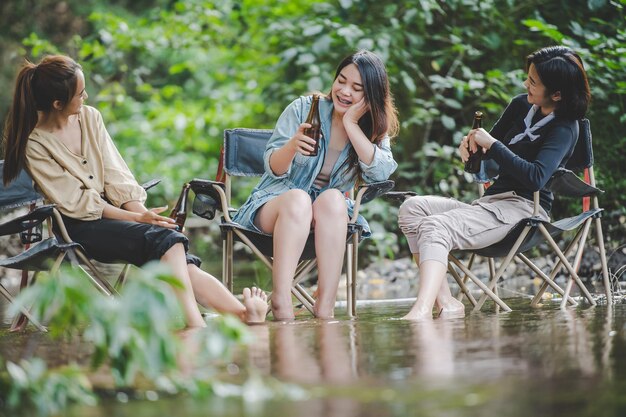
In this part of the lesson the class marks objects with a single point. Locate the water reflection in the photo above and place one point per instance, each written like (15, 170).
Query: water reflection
(434, 347)
(481, 347)
(529, 362)
(306, 352)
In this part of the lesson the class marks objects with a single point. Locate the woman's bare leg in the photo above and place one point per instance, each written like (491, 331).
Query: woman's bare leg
(445, 302)
(175, 259)
(288, 218)
(432, 276)
(330, 217)
(211, 293)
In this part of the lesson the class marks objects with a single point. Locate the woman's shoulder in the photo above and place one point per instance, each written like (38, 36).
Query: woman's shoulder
(520, 102)
(566, 125)
(89, 113)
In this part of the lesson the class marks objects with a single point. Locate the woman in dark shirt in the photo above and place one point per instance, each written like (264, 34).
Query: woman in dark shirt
(535, 135)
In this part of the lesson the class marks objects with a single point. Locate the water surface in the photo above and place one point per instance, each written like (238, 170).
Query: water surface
(530, 362)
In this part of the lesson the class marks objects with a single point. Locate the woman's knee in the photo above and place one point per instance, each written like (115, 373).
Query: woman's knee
(433, 229)
(331, 204)
(177, 249)
(296, 204)
(411, 212)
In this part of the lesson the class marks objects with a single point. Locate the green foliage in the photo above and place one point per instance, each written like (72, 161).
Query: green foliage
(30, 385)
(131, 335)
(169, 77)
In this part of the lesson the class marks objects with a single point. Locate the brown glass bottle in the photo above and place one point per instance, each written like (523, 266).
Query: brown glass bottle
(472, 165)
(313, 118)
(179, 212)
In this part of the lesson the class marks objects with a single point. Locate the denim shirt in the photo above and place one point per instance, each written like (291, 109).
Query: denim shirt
(304, 169)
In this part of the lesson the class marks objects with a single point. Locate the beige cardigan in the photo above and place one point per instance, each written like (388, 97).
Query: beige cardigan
(78, 183)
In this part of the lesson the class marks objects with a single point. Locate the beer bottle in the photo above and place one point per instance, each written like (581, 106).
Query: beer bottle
(179, 212)
(313, 118)
(472, 165)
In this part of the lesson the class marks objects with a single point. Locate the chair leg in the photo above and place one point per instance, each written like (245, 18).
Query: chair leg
(492, 273)
(23, 316)
(566, 263)
(470, 263)
(503, 265)
(355, 269)
(97, 278)
(577, 258)
(21, 320)
(227, 261)
(605, 268)
(122, 278)
(302, 271)
(349, 279)
(463, 290)
(547, 280)
(553, 273)
(479, 283)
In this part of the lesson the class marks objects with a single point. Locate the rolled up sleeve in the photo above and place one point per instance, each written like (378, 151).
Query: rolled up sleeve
(285, 128)
(383, 164)
(120, 185)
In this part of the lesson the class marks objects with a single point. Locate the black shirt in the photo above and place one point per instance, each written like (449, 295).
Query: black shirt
(526, 166)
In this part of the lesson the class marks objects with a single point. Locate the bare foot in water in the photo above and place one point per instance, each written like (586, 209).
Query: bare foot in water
(255, 301)
(419, 313)
(451, 308)
(282, 310)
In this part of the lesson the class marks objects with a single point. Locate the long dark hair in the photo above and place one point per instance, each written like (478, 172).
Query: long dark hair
(36, 89)
(561, 69)
(382, 117)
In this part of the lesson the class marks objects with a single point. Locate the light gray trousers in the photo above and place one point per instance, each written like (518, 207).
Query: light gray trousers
(436, 225)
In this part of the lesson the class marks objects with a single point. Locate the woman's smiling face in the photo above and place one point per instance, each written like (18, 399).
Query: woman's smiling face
(347, 88)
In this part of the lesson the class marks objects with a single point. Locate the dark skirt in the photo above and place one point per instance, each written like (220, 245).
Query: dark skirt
(120, 241)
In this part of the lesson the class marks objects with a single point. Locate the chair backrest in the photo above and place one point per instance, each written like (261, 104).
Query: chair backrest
(243, 151)
(19, 193)
(582, 157)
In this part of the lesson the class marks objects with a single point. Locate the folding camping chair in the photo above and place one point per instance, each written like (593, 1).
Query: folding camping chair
(532, 231)
(242, 157)
(44, 254)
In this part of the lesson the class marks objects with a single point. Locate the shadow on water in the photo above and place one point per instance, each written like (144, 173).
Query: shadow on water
(530, 362)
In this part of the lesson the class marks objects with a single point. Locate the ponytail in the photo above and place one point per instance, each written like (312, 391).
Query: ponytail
(36, 89)
(20, 122)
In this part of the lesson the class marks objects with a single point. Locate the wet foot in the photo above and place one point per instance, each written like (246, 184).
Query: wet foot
(282, 309)
(451, 308)
(255, 301)
(323, 313)
(419, 314)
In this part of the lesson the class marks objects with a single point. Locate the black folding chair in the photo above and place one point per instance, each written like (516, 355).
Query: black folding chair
(530, 232)
(243, 157)
(41, 254)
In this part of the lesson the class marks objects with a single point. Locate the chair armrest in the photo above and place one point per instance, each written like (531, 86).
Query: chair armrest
(374, 190)
(368, 192)
(147, 185)
(399, 196)
(210, 196)
(28, 221)
(565, 182)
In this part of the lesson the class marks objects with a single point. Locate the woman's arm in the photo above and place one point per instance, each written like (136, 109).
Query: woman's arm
(135, 211)
(362, 145)
(287, 140)
(120, 185)
(382, 165)
(281, 158)
(556, 145)
(376, 162)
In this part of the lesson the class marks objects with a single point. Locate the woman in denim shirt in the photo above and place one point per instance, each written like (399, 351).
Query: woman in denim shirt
(299, 192)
